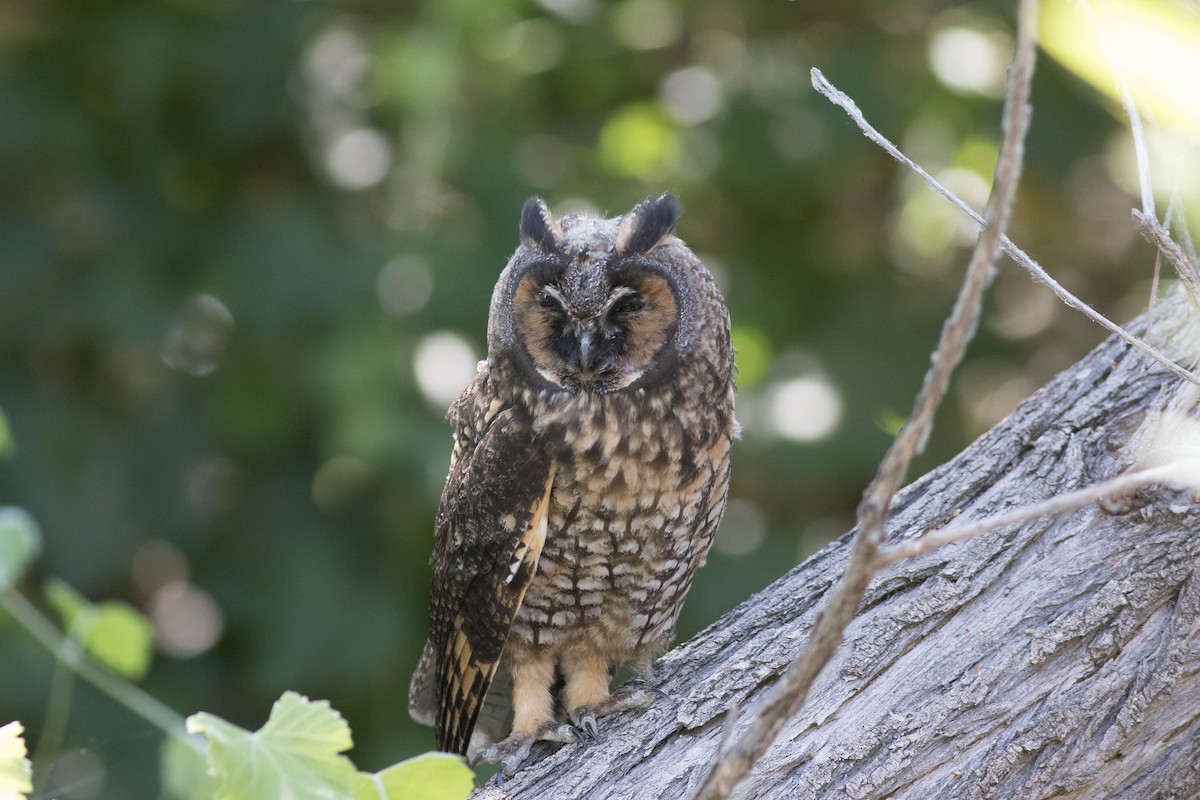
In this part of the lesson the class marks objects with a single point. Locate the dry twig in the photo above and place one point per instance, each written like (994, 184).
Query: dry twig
(1158, 236)
(731, 764)
(1124, 484)
(837, 97)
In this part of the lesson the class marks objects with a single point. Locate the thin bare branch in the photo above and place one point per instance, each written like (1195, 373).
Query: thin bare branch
(837, 97)
(732, 763)
(1158, 236)
(1129, 482)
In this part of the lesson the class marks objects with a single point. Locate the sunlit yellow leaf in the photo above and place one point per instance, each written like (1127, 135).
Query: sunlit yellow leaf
(1155, 43)
(16, 774)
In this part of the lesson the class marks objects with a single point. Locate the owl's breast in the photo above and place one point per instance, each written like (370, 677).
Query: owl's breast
(636, 500)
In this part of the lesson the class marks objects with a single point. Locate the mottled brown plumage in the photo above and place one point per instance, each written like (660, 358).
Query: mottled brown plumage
(590, 468)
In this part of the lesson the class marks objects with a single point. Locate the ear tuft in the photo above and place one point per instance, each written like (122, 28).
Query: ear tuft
(648, 224)
(538, 229)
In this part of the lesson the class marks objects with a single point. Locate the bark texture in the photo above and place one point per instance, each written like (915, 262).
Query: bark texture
(1060, 658)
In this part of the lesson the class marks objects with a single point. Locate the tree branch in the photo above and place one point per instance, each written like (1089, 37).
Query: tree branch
(1158, 236)
(732, 763)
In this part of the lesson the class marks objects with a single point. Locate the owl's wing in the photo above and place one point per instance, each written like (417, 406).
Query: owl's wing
(491, 526)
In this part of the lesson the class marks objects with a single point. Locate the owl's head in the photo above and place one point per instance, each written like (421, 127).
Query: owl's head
(599, 305)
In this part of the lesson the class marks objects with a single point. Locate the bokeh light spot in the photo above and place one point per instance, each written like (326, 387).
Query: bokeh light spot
(805, 409)
(574, 11)
(187, 620)
(647, 24)
(968, 60)
(358, 159)
(197, 339)
(404, 285)
(337, 60)
(691, 95)
(742, 530)
(444, 364)
(639, 141)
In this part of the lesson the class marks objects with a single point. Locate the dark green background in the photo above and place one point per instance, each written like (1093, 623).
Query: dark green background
(150, 152)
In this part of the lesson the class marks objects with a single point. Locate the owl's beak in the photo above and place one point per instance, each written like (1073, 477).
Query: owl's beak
(587, 349)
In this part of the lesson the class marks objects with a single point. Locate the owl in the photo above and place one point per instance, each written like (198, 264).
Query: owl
(589, 472)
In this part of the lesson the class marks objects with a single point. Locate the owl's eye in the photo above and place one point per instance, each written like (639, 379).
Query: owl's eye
(629, 304)
(549, 302)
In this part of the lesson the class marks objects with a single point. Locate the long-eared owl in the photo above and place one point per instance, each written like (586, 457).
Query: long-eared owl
(589, 472)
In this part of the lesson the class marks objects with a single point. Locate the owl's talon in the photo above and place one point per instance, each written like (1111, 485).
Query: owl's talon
(589, 726)
(569, 734)
(585, 722)
(511, 753)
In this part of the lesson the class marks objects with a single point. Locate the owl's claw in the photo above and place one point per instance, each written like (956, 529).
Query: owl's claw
(630, 697)
(585, 722)
(589, 726)
(511, 753)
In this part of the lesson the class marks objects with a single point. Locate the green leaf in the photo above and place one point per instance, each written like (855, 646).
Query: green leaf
(433, 776)
(8, 445)
(122, 639)
(66, 601)
(184, 770)
(16, 773)
(112, 632)
(20, 542)
(295, 755)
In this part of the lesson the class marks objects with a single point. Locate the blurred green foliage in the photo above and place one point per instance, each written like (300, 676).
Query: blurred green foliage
(229, 232)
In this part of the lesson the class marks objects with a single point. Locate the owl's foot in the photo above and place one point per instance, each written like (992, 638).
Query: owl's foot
(512, 752)
(633, 696)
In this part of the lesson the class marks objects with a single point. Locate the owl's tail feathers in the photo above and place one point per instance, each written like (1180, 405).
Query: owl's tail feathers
(422, 699)
(495, 718)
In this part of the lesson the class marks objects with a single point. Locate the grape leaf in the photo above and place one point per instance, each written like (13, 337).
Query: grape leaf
(16, 774)
(295, 755)
(184, 769)
(433, 776)
(20, 542)
(114, 633)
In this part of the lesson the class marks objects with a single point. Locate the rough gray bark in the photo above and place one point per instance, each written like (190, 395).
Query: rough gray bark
(1060, 658)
